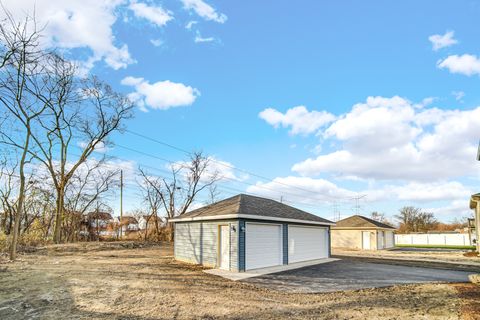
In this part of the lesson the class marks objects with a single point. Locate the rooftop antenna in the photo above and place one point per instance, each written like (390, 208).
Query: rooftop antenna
(357, 206)
(336, 211)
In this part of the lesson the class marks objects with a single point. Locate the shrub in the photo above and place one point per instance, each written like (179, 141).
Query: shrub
(3, 242)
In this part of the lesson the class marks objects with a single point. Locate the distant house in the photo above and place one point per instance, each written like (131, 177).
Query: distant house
(145, 222)
(128, 223)
(359, 232)
(99, 223)
(246, 232)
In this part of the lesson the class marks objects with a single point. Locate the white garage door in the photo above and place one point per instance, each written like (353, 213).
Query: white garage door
(307, 243)
(380, 240)
(389, 239)
(263, 245)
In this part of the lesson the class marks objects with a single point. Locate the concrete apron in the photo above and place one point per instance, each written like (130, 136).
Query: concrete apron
(235, 276)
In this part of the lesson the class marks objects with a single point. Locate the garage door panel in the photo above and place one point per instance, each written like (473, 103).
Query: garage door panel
(263, 243)
(307, 243)
(389, 239)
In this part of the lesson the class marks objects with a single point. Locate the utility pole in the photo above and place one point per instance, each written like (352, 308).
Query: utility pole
(121, 202)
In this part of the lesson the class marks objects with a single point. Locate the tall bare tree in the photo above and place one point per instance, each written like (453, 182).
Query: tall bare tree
(21, 68)
(81, 114)
(187, 181)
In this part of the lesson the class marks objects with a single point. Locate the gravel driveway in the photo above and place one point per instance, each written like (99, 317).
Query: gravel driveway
(349, 274)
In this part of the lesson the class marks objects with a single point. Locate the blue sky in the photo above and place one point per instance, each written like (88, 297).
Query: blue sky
(339, 98)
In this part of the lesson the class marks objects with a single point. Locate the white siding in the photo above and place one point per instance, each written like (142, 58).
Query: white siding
(197, 242)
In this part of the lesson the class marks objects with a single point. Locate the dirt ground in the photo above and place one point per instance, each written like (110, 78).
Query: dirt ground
(134, 281)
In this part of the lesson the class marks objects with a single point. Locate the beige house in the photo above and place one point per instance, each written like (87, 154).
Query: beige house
(362, 233)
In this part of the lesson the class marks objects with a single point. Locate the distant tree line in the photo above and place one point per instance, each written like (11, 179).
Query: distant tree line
(413, 219)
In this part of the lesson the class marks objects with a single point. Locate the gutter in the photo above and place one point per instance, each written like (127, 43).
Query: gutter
(250, 216)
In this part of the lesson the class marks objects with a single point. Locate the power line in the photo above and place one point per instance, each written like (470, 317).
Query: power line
(220, 186)
(227, 178)
(222, 163)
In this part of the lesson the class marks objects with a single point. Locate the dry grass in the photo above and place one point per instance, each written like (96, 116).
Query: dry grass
(133, 281)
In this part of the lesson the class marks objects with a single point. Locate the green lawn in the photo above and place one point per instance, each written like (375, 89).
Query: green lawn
(434, 246)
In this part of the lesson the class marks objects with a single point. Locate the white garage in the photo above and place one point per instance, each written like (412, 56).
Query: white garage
(362, 233)
(245, 232)
(263, 244)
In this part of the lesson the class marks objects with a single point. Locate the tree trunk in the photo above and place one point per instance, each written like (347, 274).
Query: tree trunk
(58, 216)
(21, 197)
(157, 230)
(146, 230)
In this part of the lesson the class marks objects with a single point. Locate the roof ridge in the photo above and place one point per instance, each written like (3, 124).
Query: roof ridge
(371, 222)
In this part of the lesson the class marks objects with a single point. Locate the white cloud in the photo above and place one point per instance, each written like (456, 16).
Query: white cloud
(160, 95)
(455, 209)
(72, 24)
(204, 10)
(465, 64)
(100, 147)
(224, 170)
(441, 41)
(311, 191)
(423, 192)
(190, 24)
(389, 139)
(156, 42)
(200, 39)
(458, 95)
(301, 190)
(298, 118)
(156, 15)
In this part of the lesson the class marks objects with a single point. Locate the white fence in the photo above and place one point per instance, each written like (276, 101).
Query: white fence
(448, 239)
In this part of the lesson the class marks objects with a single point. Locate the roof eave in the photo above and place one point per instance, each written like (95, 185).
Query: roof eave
(249, 216)
(363, 228)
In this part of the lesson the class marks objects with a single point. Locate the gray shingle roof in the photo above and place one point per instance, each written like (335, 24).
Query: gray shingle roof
(361, 222)
(251, 205)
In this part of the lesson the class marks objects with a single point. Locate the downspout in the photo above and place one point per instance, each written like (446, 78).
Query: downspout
(477, 224)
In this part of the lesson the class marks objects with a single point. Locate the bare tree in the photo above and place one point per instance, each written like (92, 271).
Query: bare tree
(8, 184)
(415, 220)
(92, 182)
(20, 69)
(153, 199)
(68, 124)
(187, 181)
(377, 216)
(213, 194)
